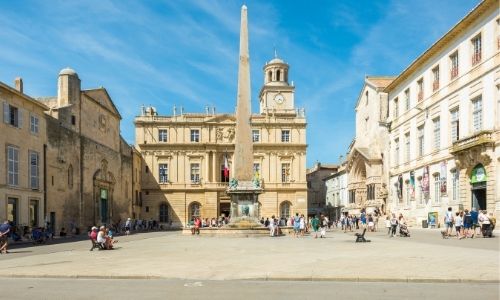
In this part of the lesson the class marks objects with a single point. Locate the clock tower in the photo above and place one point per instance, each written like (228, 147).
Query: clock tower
(276, 95)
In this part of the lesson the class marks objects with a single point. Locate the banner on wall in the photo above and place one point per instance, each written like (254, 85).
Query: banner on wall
(412, 184)
(400, 187)
(443, 174)
(425, 181)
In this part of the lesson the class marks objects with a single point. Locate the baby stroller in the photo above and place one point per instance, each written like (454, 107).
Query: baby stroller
(403, 230)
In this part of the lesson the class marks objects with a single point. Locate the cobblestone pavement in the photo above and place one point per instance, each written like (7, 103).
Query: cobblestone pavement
(424, 257)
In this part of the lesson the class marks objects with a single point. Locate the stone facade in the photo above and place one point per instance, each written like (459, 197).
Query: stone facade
(22, 157)
(185, 154)
(367, 158)
(337, 196)
(316, 188)
(89, 165)
(445, 128)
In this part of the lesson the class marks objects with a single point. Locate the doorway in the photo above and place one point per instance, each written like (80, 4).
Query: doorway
(224, 209)
(479, 196)
(104, 206)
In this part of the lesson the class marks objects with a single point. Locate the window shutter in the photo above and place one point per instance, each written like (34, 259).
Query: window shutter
(6, 116)
(19, 118)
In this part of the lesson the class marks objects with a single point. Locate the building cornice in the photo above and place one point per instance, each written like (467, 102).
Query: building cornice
(472, 17)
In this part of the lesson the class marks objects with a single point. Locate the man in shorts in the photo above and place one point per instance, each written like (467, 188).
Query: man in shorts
(467, 224)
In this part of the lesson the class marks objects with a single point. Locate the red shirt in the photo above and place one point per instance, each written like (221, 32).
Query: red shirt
(93, 235)
(197, 223)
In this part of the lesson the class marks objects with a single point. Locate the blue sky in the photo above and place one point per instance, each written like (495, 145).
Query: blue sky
(185, 53)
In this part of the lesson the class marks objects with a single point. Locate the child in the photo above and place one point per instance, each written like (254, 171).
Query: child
(388, 225)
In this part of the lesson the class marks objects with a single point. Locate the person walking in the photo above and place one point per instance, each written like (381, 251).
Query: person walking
(448, 221)
(315, 226)
(323, 223)
(394, 225)
(4, 232)
(388, 225)
(271, 226)
(296, 225)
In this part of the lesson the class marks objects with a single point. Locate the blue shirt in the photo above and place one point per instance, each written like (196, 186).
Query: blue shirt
(474, 215)
(4, 228)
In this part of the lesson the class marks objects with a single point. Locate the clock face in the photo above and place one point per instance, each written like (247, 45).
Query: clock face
(279, 98)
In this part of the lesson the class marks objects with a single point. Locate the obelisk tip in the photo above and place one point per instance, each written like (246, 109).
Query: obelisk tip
(244, 7)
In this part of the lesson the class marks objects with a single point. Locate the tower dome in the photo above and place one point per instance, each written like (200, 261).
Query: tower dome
(276, 72)
(68, 71)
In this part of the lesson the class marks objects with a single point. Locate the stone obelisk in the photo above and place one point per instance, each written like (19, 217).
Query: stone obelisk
(243, 153)
(243, 188)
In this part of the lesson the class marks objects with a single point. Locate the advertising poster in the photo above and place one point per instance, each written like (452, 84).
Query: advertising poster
(425, 182)
(443, 174)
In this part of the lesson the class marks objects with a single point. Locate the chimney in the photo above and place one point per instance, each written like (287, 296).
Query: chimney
(18, 84)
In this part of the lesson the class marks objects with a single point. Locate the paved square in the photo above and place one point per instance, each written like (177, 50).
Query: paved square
(423, 257)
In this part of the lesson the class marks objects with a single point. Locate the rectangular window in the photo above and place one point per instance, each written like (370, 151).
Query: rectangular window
(34, 124)
(256, 135)
(437, 133)
(396, 152)
(420, 193)
(476, 49)
(34, 170)
(477, 114)
(407, 148)
(12, 115)
(12, 210)
(163, 176)
(34, 215)
(195, 173)
(435, 79)
(256, 170)
(455, 185)
(408, 194)
(13, 165)
(420, 140)
(437, 189)
(420, 86)
(285, 136)
(195, 135)
(162, 135)
(454, 65)
(455, 125)
(285, 172)
(396, 108)
(407, 99)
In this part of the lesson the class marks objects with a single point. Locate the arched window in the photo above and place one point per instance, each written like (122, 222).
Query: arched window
(285, 210)
(278, 75)
(70, 176)
(163, 213)
(194, 210)
(270, 76)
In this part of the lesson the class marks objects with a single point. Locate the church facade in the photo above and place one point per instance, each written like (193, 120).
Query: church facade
(188, 157)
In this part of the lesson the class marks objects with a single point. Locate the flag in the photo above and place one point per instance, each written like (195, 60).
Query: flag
(226, 167)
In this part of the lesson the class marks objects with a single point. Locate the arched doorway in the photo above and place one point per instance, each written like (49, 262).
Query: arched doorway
(285, 210)
(478, 180)
(104, 184)
(194, 210)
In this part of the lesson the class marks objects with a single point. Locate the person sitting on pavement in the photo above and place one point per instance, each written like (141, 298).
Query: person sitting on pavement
(62, 233)
(4, 231)
(103, 239)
